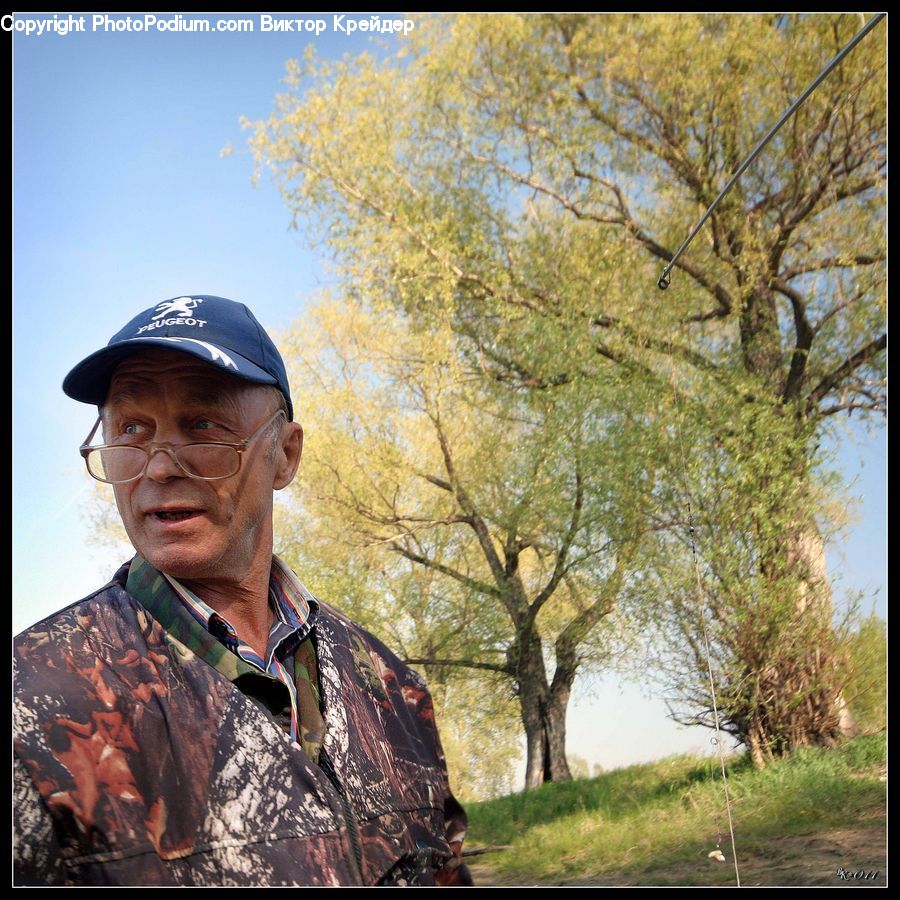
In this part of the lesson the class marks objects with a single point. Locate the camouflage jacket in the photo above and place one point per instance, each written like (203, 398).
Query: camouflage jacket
(138, 763)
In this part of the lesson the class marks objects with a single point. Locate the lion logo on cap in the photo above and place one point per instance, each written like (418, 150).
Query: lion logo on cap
(178, 306)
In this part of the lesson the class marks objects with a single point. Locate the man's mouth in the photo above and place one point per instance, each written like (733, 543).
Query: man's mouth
(173, 515)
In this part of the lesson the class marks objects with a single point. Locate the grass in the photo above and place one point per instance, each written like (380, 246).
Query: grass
(647, 816)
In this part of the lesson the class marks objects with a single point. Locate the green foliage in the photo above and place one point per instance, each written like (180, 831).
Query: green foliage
(480, 733)
(644, 816)
(509, 187)
(615, 794)
(442, 511)
(866, 691)
(103, 520)
(578, 766)
(522, 177)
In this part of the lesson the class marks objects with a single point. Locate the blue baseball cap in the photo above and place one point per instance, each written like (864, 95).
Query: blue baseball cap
(222, 332)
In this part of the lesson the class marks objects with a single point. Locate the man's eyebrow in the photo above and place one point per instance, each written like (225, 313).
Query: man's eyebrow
(212, 398)
(124, 394)
(209, 397)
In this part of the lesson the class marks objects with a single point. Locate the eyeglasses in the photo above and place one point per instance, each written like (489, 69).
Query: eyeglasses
(115, 464)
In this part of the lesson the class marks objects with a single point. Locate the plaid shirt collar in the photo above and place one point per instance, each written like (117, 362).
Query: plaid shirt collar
(291, 602)
(160, 598)
(290, 657)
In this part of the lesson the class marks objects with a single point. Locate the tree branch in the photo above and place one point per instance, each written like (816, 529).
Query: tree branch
(464, 663)
(515, 605)
(834, 378)
(859, 295)
(626, 220)
(471, 583)
(832, 262)
(559, 569)
(575, 632)
(804, 338)
(652, 343)
(840, 407)
(438, 482)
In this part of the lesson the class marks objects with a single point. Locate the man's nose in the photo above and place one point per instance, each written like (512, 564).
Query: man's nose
(162, 465)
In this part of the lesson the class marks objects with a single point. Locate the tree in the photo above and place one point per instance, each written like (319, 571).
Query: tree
(728, 601)
(497, 530)
(523, 178)
(867, 689)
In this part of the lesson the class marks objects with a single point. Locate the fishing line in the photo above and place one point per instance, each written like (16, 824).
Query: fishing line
(717, 740)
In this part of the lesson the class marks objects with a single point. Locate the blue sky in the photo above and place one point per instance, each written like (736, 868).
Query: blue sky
(122, 199)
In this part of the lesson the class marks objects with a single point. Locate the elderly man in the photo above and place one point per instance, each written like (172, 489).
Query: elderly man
(203, 719)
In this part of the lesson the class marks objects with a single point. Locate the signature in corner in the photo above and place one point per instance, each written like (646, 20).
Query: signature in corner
(861, 875)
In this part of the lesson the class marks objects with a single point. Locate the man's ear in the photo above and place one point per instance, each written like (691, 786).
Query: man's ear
(290, 449)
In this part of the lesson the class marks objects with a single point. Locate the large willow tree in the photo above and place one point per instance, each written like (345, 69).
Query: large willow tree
(489, 533)
(524, 179)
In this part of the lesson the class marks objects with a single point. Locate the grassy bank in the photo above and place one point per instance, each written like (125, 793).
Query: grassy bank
(672, 813)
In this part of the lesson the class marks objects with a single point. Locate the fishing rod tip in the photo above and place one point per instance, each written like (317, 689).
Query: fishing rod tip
(664, 280)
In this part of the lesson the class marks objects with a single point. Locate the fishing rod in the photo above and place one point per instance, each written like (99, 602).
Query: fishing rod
(665, 278)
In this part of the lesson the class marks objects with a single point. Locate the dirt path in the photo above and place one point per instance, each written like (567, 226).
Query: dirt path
(812, 859)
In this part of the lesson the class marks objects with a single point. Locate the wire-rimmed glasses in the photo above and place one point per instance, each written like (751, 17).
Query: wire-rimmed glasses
(208, 461)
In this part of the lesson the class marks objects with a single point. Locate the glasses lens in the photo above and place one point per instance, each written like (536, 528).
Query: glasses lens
(115, 464)
(209, 460)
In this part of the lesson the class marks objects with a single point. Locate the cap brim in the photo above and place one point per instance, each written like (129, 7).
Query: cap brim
(89, 380)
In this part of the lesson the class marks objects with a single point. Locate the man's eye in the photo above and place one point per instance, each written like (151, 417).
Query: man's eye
(132, 428)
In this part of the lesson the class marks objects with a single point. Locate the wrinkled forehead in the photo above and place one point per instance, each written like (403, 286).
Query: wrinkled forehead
(147, 373)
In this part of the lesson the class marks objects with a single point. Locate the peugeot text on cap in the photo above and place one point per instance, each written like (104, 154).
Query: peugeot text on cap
(221, 332)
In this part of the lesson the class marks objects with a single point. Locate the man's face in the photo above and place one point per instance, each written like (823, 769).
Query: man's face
(186, 527)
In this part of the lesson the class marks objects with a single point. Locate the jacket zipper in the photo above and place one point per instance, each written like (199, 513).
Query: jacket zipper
(328, 768)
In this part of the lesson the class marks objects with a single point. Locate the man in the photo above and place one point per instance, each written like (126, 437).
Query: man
(203, 719)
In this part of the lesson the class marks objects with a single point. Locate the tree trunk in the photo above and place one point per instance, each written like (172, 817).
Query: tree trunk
(793, 684)
(803, 682)
(556, 766)
(761, 339)
(544, 718)
(826, 708)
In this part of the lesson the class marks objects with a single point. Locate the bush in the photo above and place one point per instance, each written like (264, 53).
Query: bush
(866, 692)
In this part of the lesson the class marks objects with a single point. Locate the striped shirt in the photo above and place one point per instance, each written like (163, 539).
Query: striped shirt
(294, 609)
